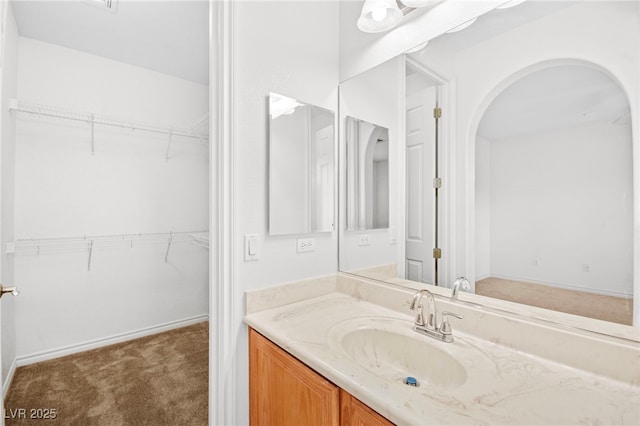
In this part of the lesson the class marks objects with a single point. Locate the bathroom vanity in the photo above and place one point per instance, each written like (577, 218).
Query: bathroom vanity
(286, 391)
(339, 349)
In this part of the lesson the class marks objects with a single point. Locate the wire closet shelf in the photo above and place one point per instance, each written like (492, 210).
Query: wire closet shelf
(72, 244)
(199, 131)
(37, 246)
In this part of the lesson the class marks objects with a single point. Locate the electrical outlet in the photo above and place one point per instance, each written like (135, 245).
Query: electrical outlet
(586, 268)
(364, 240)
(306, 245)
(535, 262)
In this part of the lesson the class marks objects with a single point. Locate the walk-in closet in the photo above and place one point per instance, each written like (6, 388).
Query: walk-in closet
(104, 222)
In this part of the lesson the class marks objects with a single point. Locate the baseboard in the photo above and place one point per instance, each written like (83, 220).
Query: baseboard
(9, 379)
(565, 286)
(98, 343)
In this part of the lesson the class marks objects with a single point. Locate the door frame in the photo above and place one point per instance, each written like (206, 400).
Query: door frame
(447, 165)
(222, 289)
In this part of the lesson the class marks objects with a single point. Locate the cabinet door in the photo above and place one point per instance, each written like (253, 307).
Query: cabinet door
(283, 391)
(355, 413)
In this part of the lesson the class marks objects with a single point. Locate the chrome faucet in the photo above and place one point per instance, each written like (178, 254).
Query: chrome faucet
(460, 283)
(416, 303)
(430, 327)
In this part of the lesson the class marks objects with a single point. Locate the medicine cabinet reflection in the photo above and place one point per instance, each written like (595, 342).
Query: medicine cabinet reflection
(367, 175)
(301, 167)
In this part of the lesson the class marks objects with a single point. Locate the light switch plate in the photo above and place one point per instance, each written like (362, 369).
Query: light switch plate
(306, 245)
(251, 247)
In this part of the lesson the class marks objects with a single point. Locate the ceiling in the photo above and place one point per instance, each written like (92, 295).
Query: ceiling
(549, 99)
(171, 37)
(554, 98)
(497, 22)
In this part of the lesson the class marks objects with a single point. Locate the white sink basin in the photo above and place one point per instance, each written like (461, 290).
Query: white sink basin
(389, 348)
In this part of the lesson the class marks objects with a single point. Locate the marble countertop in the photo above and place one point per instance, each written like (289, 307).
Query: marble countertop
(503, 386)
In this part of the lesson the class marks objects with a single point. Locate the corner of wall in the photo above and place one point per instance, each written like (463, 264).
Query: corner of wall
(8, 90)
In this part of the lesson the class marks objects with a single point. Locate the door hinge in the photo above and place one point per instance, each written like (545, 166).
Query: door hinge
(437, 253)
(437, 183)
(437, 112)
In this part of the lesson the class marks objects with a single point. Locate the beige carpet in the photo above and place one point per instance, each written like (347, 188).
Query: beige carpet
(607, 308)
(156, 380)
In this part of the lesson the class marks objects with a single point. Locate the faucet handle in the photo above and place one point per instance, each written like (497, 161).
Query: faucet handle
(445, 328)
(416, 304)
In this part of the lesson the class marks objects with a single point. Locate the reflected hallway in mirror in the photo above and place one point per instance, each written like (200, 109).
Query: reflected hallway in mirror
(554, 194)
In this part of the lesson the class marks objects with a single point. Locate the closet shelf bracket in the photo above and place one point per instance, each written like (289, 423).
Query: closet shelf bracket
(90, 253)
(166, 157)
(166, 255)
(93, 151)
(201, 239)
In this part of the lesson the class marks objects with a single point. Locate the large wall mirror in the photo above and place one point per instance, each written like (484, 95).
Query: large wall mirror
(527, 184)
(301, 167)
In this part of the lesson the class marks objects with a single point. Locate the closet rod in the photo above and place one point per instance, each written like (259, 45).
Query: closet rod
(49, 111)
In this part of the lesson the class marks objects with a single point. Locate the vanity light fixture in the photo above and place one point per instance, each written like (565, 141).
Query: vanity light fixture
(462, 26)
(509, 4)
(282, 105)
(379, 15)
(107, 5)
(420, 3)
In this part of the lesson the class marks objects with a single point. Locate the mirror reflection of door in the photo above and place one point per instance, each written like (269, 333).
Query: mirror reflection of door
(554, 194)
(421, 170)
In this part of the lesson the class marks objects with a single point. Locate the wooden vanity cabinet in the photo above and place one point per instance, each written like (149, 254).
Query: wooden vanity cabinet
(355, 413)
(284, 391)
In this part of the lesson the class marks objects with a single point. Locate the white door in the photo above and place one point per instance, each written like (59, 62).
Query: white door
(420, 265)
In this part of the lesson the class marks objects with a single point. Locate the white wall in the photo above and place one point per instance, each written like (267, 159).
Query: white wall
(8, 88)
(126, 187)
(289, 48)
(365, 98)
(561, 200)
(483, 208)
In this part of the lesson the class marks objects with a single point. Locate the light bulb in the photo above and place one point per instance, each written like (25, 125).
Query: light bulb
(379, 13)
